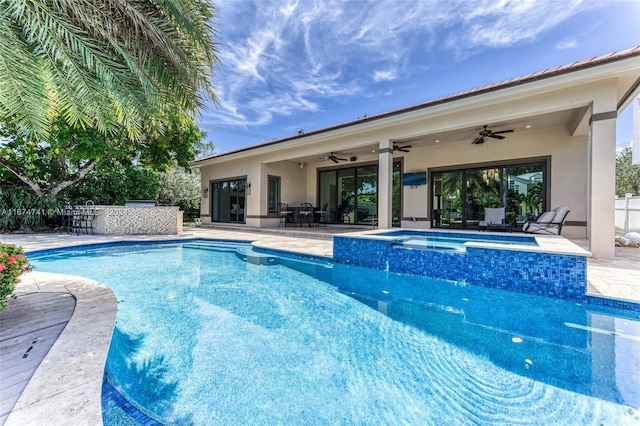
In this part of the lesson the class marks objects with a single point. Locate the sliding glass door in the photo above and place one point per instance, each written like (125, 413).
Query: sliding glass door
(459, 197)
(350, 194)
(228, 201)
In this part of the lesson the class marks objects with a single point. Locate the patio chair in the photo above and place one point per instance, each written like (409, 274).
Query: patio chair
(549, 223)
(82, 217)
(322, 215)
(306, 214)
(284, 212)
(492, 216)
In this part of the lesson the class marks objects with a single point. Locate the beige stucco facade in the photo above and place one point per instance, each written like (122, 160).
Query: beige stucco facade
(564, 117)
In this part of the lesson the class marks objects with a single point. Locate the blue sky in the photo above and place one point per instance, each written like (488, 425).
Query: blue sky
(289, 65)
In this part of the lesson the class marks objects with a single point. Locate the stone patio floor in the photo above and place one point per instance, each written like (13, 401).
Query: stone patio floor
(65, 386)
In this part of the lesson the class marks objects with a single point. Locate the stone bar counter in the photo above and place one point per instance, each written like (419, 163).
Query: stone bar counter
(134, 220)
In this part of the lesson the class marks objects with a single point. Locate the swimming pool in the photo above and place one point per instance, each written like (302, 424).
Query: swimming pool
(299, 341)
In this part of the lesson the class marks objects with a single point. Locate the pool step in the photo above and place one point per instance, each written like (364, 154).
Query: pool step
(248, 255)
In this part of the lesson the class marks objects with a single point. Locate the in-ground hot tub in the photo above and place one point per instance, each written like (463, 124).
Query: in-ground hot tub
(546, 266)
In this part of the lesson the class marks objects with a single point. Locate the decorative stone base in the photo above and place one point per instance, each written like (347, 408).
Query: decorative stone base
(124, 220)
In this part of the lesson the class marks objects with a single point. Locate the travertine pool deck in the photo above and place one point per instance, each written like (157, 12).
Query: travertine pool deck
(66, 387)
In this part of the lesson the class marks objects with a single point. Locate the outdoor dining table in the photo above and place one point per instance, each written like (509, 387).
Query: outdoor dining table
(300, 217)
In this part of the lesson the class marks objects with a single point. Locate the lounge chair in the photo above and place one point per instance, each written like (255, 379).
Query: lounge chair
(492, 216)
(548, 222)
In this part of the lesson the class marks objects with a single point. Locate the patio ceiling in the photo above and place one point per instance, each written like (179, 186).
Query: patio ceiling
(568, 118)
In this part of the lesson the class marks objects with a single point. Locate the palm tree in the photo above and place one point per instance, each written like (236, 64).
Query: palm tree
(106, 63)
(533, 199)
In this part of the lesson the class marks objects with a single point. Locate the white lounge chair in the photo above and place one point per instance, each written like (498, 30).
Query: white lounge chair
(492, 216)
(548, 222)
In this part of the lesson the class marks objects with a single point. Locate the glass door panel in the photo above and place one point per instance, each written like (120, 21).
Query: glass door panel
(524, 194)
(224, 201)
(347, 195)
(450, 198)
(366, 205)
(241, 201)
(328, 194)
(396, 197)
(482, 190)
(436, 201)
(233, 201)
(215, 202)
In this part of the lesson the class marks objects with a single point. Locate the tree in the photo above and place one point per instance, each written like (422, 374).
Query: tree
(112, 65)
(627, 174)
(69, 154)
(112, 182)
(180, 187)
(51, 165)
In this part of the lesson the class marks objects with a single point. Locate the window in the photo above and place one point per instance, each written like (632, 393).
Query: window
(274, 194)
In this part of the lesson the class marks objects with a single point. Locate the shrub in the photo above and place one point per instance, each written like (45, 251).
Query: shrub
(22, 210)
(12, 265)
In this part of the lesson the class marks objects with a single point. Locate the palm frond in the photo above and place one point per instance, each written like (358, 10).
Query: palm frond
(23, 95)
(112, 62)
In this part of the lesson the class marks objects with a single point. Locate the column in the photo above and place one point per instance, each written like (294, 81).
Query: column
(385, 183)
(601, 210)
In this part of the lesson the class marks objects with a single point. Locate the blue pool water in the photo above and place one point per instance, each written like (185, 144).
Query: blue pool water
(204, 337)
(453, 240)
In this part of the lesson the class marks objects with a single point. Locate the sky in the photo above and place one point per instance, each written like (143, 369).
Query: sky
(288, 65)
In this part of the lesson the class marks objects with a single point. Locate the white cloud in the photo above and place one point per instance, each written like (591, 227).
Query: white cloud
(567, 44)
(387, 75)
(282, 57)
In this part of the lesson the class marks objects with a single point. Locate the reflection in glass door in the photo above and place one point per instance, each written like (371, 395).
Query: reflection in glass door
(347, 195)
(482, 190)
(351, 194)
(524, 194)
(367, 193)
(459, 197)
(396, 197)
(447, 199)
(228, 201)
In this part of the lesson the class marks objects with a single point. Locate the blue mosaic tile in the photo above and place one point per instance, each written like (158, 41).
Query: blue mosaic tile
(118, 411)
(545, 274)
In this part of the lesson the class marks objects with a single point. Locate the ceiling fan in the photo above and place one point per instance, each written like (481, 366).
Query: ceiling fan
(486, 133)
(333, 157)
(401, 148)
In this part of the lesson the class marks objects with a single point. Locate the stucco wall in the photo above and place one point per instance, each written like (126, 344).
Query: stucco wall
(293, 183)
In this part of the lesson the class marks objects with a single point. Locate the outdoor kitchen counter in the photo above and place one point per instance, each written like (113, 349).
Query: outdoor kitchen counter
(130, 220)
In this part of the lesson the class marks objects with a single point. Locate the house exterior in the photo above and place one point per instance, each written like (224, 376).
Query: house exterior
(550, 140)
